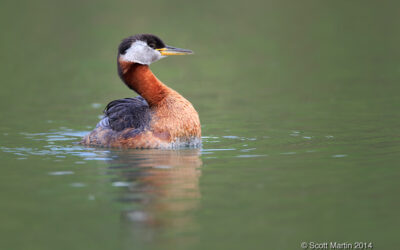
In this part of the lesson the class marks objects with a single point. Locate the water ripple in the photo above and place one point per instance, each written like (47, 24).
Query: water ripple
(58, 146)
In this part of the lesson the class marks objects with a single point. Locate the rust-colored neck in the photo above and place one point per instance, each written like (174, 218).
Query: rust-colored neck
(139, 78)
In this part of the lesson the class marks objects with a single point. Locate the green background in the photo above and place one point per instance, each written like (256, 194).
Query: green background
(299, 104)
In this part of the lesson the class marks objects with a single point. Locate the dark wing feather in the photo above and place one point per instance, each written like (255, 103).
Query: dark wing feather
(126, 113)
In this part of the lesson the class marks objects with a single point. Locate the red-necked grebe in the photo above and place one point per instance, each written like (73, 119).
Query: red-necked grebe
(160, 117)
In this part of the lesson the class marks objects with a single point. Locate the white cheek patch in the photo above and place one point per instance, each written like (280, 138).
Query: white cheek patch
(140, 52)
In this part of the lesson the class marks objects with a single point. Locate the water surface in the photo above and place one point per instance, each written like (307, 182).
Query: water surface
(299, 110)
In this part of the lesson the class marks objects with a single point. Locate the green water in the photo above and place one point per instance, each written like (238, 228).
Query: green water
(299, 104)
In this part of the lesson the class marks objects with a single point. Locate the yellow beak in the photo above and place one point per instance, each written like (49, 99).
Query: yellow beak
(171, 51)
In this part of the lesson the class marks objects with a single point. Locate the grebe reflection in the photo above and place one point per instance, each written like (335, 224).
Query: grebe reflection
(162, 188)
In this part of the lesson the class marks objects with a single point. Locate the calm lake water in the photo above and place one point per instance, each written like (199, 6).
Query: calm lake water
(299, 105)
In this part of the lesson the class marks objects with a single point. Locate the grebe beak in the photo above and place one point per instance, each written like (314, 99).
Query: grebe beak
(171, 51)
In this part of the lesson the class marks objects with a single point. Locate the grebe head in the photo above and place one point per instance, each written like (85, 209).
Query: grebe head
(146, 49)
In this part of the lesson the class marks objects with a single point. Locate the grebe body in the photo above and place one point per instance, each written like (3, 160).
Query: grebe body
(159, 117)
